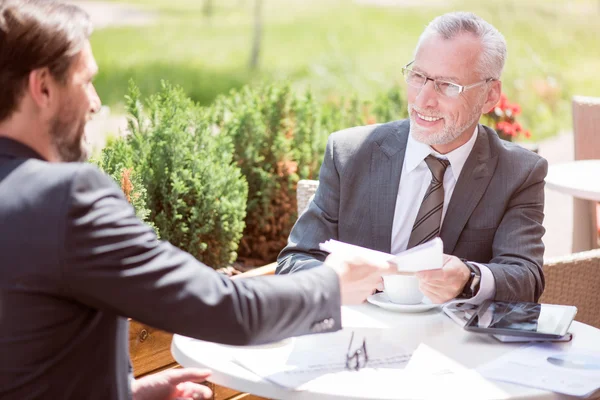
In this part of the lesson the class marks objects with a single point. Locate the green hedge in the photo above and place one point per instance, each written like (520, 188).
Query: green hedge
(195, 194)
(209, 172)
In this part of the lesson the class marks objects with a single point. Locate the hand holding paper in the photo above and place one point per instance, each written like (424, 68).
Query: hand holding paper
(443, 285)
(427, 256)
(358, 275)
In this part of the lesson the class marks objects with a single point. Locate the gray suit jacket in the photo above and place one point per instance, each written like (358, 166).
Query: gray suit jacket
(75, 262)
(494, 216)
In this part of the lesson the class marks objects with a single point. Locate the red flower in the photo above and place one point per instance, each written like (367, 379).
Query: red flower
(503, 126)
(503, 118)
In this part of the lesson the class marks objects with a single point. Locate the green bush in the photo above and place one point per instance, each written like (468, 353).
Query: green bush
(185, 163)
(260, 123)
(279, 138)
(195, 193)
(117, 161)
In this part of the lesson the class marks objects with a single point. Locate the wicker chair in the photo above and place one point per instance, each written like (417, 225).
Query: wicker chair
(575, 280)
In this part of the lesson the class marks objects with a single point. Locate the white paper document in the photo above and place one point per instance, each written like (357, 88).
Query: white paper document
(553, 367)
(426, 256)
(434, 375)
(297, 362)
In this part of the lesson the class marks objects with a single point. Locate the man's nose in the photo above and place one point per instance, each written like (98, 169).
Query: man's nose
(95, 102)
(427, 96)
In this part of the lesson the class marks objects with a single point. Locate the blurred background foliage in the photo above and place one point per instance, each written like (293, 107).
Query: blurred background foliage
(341, 48)
(234, 99)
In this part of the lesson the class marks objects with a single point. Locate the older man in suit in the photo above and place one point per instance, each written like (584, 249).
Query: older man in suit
(75, 261)
(393, 186)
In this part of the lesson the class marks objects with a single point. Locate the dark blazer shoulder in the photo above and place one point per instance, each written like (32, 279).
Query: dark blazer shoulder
(89, 177)
(511, 153)
(351, 142)
(56, 187)
(40, 171)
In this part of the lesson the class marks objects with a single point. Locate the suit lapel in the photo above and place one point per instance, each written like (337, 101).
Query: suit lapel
(470, 187)
(387, 159)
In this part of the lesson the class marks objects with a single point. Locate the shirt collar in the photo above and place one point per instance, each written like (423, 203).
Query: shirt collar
(417, 151)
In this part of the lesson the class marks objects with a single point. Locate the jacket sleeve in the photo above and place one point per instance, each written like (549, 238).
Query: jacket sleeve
(518, 249)
(113, 262)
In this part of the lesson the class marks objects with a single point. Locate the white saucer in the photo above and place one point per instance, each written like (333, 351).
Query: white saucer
(272, 345)
(381, 300)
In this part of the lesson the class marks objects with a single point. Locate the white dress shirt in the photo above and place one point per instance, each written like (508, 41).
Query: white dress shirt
(414, 181)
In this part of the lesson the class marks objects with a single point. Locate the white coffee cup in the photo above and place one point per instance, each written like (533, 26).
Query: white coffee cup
(402, 289)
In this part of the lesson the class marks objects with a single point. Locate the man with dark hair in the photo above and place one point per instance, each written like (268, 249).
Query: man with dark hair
(393, 186)
(76, 261)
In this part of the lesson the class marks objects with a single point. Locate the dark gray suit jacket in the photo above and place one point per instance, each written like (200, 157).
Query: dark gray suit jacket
(75, 261)
(494, 216)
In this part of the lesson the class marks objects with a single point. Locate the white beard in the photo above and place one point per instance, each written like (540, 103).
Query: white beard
(447, 134)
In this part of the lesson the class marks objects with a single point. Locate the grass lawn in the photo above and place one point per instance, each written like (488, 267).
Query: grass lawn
(340, 47)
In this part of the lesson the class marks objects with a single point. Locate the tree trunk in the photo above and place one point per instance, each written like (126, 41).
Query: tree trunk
(257, 36)
(207, 8)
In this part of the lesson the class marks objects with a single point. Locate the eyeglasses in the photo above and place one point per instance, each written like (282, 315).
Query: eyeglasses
(448, 89)
(358, 358)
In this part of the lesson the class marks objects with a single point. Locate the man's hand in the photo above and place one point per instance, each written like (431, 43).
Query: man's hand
(172, 384)
(441, 285)
(358, 277)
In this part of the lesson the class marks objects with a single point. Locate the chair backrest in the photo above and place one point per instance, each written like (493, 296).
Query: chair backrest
(575, 280)
(586, 119)
(305, 192)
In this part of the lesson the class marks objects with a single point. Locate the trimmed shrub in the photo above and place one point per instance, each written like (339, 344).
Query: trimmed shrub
(116, 160)
(195, 193)
(259, 121)
(279, 138)
(182, 165)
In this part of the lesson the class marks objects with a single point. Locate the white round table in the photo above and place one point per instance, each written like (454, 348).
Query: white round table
(580, 179)
(432, 328)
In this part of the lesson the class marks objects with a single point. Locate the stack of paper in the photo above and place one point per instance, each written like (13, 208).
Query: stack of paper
(426, 256)
(300, 361)
(553, 367)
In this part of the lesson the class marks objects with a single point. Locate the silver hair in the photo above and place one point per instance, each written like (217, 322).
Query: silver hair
(493, 56)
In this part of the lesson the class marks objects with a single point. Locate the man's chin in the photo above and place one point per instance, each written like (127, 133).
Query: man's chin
(430, 138)
(86, 149)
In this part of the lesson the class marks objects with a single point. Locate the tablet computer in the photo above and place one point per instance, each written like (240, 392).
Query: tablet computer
(522, 319)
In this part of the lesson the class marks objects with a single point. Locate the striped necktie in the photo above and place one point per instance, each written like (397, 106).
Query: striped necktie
(428, 222)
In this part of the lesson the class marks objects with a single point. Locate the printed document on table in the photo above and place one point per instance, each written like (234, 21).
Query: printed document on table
(426, 256)
(555, 367)
(296, 362)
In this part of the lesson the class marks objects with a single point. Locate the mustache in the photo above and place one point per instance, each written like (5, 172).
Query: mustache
(429, 113)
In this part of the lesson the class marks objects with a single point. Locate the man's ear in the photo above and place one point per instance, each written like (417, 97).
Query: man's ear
(493, 96)
(42, 87)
